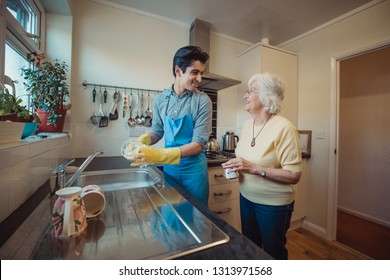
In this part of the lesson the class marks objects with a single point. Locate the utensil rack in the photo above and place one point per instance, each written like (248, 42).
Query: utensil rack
(85, 85)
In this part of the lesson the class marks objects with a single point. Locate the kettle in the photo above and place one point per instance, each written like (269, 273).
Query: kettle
(229, 142)
(212, 145)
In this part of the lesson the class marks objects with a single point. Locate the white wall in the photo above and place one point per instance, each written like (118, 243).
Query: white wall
(316, 104)
(59, 46)
(224, 51)
(116, 46)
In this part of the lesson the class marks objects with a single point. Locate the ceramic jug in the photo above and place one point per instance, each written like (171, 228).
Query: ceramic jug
(69, 215)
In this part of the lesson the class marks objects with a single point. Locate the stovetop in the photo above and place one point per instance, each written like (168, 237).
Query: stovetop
(220, 156)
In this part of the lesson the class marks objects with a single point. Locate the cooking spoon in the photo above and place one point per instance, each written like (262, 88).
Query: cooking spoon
(142, 118)
(137, 118)
(148, 112)
(148, 118)
(131, 122)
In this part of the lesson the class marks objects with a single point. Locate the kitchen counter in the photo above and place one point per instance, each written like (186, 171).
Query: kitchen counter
(24, 239)
(239, 247)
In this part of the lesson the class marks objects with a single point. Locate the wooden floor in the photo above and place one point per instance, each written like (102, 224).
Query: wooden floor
(304, 245)
(367, 237)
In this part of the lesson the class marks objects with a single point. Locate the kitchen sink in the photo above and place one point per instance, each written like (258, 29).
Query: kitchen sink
(120, 179)
(144, 218)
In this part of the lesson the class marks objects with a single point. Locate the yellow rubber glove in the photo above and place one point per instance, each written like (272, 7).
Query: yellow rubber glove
(163, 156)
(145, 139)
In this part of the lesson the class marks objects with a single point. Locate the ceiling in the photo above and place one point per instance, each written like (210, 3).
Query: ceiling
(247, 20)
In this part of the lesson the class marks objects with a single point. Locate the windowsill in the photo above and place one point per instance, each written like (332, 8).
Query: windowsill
(42, 136)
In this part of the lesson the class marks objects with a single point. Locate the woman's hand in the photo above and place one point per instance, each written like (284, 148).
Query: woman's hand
(238, 164)
(274, 174)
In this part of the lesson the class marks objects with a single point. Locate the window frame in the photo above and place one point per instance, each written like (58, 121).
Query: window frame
(12, 32)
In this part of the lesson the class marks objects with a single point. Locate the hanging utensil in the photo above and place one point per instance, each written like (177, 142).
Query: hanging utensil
(103, 119)
(142, 117)
(148, 118)
(131, 122)
(137, 118)
(114, 112)
(125, 104)
(94, 118)
(148, 112)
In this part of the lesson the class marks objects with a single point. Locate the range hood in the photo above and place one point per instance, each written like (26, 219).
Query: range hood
(200, 36)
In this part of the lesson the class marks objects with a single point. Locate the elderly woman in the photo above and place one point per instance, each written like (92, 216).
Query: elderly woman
(268, 158)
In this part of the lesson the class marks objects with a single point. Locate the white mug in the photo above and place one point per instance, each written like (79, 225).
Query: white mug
(229, 174)
(94, 200)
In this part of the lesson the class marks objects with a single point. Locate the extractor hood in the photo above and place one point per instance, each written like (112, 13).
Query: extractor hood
(200, 36)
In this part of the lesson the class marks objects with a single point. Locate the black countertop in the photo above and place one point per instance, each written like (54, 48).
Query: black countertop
(238, 248)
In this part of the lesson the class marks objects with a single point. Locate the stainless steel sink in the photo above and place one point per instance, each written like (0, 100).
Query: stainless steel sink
(121, 179)
(144, 218)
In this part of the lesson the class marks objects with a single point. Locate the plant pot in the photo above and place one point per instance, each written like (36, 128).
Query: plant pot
(9, 117)
(57, 127)
(29, 129)
(22, 119)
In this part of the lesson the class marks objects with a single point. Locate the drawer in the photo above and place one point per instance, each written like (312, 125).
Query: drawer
(223, 192)
(228, 211)
(216, 176)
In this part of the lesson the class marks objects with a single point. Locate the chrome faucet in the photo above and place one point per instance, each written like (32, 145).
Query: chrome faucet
(58, 174)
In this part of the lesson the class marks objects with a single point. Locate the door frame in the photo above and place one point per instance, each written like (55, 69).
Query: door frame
(331, 229)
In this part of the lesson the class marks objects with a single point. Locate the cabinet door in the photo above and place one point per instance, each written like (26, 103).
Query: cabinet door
(223, 192)
(224, 197)
(285, 65)
(264, 58)
(216, 176)
(229, 211)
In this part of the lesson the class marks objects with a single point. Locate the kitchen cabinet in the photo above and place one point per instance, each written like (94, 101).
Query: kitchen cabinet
(26, 166)
(265, 58)
(224, 197)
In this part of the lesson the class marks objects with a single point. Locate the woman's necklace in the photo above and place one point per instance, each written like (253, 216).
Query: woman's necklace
(253, 143)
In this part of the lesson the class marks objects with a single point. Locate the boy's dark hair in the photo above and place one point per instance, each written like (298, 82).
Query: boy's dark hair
(185, 56)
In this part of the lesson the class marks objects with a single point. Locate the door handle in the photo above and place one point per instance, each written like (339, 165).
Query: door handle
(228, 192)
(224, 211)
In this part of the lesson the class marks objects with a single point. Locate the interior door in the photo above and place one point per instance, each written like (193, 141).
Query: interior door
(363, 220)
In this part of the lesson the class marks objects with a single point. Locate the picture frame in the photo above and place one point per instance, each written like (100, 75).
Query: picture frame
(305, 136)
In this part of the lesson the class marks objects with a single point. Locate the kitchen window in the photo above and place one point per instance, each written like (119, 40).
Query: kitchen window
(21, 32)
(13, 62)
(26, 14)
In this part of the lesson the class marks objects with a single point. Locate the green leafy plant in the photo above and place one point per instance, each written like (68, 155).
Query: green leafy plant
(9, 104)
(46, 83)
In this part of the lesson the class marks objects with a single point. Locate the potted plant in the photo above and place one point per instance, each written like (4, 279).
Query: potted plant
(11, 108)
(46, 82)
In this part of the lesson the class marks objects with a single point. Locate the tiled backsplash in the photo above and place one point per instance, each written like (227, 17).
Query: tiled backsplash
(25, 167)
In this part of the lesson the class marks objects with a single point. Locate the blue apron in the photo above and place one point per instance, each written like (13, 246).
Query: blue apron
(191, 173)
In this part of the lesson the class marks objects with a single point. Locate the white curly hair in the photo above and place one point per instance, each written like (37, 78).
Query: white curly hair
(270, 90)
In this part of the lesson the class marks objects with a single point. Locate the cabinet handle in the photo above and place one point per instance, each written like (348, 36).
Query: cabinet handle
(227, 210)
(228, 192)
(218, 175)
